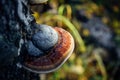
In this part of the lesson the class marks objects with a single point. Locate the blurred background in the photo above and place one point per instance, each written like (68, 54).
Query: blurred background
(95, 26)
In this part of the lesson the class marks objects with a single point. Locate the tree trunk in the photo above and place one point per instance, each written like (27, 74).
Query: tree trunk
(15, 24)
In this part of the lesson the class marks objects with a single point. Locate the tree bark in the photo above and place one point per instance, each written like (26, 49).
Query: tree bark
(15, 24)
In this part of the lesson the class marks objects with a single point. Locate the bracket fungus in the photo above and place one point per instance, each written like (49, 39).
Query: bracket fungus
(38, 48)
(47, 50)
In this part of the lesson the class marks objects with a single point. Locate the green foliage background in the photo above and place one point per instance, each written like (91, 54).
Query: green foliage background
(85, 63)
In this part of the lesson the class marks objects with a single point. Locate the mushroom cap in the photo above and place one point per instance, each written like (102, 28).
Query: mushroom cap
(45, 38)
(41, 41)
(54, 58)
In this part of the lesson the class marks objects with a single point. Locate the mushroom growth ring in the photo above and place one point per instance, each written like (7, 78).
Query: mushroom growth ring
(47, 50)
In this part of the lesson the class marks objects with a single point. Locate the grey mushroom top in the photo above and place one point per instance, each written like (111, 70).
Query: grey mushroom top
(43, 40)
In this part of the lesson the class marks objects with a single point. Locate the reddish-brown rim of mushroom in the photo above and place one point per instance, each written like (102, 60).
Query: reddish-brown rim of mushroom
(55, 58)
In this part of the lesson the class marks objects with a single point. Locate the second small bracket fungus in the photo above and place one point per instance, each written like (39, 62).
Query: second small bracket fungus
(37, 1)
(50, 55)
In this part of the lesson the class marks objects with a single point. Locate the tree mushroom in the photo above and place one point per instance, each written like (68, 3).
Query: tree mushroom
(47, 50)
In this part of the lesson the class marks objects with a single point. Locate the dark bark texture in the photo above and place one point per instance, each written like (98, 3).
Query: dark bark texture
(15, 24)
